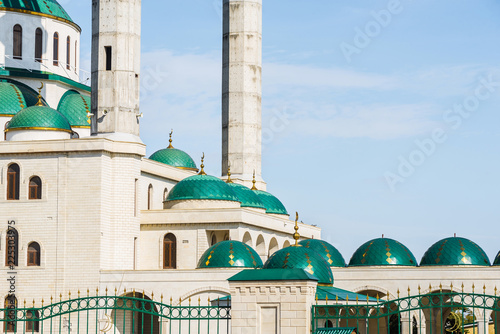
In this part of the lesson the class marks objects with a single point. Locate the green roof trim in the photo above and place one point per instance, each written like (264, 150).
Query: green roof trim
(75, 108)
(174, 157)
(230, 254)
(497, 260)
(247, 197)
(455, 251)
(33, 74)
(202, 187)
(39, 118)
(272, 275)
(272, 203)
(329, 253)
(45, 7)
(333, 293)
(383, 252)
(336, 330)
(301, 258)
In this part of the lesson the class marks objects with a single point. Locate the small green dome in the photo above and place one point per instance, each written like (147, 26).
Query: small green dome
(174, 157)
(202, 187)
(497, 260)
(272, 204)
(229, 254)
(15, 96)
(39, 118)
(246, 196)
(75, 108)
(455, 252)
(329, 253)
(46, 7)
(383, 252)
(301, 258)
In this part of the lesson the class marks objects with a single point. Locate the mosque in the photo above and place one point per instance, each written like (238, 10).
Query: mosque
(82, 208)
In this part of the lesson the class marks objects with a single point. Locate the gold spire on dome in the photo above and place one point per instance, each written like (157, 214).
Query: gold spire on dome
(254, 182)
(39, 103)
(296, 235)
(229, 174)
(170, 140)
(202, 172)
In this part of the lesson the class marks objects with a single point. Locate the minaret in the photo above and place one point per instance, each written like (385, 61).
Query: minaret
(242, 90)
(116, 50)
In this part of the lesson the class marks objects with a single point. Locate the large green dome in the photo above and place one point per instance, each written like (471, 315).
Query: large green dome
(497, 260)
(202, 187)
(39, 118)
(174, 157)
(246, 196)
(228, 254)
(383, 252)
(271, 203)
(301, 258)
(75, 107)
(44, 7)
(329, 253)
(455, 252)
(15, 97)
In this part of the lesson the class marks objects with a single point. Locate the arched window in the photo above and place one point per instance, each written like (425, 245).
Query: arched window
(17, 50)
(38, 45)
(35, 188)
(68, 52)
(214, 240)
(165, 195)
(13, 182)
(34, 254)
(10, 314)
(150, 197)
(32, 323)
(56, 49)
(169, 251)
(12, 247)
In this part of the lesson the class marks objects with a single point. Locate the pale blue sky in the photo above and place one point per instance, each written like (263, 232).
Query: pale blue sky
(346, 123)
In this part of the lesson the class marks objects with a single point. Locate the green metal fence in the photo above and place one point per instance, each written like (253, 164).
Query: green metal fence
(440, 312)
(115, 314)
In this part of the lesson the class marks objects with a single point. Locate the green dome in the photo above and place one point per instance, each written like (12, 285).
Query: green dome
(75, 108)
(455, 252)
(229, 254)
(247, 197)
(301, 258)
(383, 252)
(199, 187)
(15, 97)
(174, 157)
(39, 118)
(45, 7)
(272, 204)
(497, 260)
(329, 253)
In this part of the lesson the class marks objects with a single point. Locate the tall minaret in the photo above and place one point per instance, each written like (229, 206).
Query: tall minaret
(116, 51)
(242, 90)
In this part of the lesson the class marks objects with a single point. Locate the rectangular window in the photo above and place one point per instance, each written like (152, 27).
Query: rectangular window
(107, 49)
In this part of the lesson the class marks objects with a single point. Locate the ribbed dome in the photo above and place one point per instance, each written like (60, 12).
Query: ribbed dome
(75, 108)
(301, 258)
(497, 260)
(39, 118)
(174, 157)
(383, 252)
(46, 7)
(455, 252)
(329, 253)
(228, 254)
(272, 204)
(246, 196)
(202, 187)
(15, 97)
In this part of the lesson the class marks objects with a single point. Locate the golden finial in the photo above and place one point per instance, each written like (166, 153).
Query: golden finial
(25, 303)
(208, 301)
(88, 292)
(106, 290)
(170, 140)
(133, 293)
(69, 294)
(377, 297)
(189, 301)
(388, 294)
(473, 287)
(51, 298)
(347, 299)
(152, 295)
(199, 301)
(398, 293)
(462, 286)
(33, 303)
(430, 287)
(161, 298)
(42, 302)
(336, 299)
(367, 298)
(419, 289)
(39, 103)
(124, 290)
(296, 235)
(254, 182)
(495, 291)
(356, 299)
(440, 287)
(316, 299)
(202, 172)
(408, 291)
(97, 291)
(326, 298)
(451, 286)
(484, 289)
(78, 293)
(116, 290)
(60, 297)
(229, 174)
(180, 301)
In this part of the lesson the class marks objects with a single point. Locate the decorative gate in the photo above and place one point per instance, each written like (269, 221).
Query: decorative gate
(440, 312)
(132, 314)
